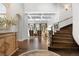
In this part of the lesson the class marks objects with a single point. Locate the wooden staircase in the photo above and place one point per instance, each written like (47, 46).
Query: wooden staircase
(63, 39)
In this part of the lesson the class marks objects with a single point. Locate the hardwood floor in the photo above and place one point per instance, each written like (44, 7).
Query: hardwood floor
(31, 44)
(38, 43)
(66, 52)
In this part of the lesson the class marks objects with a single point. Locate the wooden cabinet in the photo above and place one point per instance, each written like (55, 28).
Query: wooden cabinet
(7, 43)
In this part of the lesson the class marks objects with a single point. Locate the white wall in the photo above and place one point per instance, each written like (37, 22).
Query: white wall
(75, 10)
(40, 7)
(63, 14)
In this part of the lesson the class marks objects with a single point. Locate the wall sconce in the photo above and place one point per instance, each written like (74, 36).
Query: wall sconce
(66, 7)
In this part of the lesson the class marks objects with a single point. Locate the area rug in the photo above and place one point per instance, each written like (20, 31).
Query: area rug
(39, 53)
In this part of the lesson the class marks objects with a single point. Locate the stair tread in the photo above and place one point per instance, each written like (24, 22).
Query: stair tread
(62, 38)
(66, 35)
(61, 46)
(62, 41)
(56, 48)
(62, 32)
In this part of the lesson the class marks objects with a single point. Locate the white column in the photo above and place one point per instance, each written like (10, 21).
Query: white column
(75, 10)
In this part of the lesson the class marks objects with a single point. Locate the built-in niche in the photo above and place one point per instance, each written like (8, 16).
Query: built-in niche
(6, 21)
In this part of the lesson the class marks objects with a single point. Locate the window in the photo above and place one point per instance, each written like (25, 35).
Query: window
(2, 9)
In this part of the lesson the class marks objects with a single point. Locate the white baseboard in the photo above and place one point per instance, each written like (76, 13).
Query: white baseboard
(21, 39)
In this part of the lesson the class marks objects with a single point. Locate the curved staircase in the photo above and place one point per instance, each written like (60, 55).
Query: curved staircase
(63, 39)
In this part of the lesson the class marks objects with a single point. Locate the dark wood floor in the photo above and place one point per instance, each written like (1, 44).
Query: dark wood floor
(31, 44)
(38, 43)
(66, 52)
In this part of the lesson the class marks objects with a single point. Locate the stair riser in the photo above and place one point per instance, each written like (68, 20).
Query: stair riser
(62, 45)
(62, 38)
(63, 41)
(64, 35)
